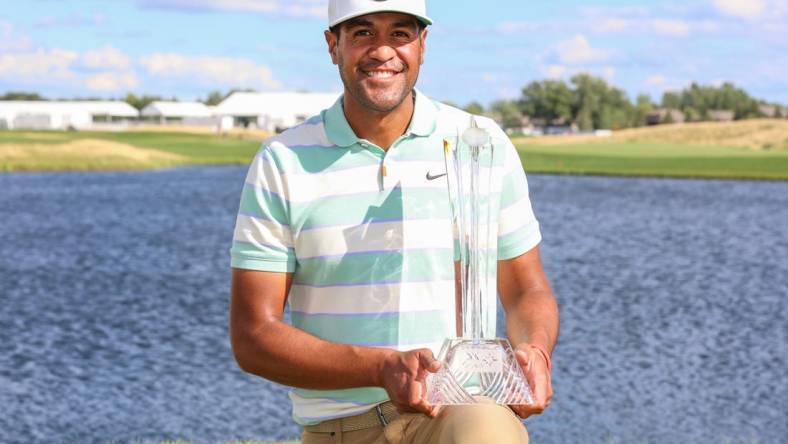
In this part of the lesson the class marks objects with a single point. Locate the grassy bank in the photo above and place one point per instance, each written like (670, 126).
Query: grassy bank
(655, 159)
(750, 149)
(137, 150)
(755, 149)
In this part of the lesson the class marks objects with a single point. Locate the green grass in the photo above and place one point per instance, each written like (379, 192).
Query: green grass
(198, 148)
(617, 158)
(654, 159)
(194, 149)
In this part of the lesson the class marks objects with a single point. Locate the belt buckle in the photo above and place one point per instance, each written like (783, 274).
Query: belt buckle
(381, 416)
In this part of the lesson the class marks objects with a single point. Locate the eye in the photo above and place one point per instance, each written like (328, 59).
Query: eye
(362, 33)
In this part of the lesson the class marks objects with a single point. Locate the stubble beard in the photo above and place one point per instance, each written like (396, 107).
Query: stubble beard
(378, 101)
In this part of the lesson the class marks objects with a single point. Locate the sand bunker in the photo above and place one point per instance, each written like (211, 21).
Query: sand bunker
(92, 153)
(756, 134)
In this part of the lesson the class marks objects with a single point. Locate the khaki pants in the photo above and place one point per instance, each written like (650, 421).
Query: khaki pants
(466, 424)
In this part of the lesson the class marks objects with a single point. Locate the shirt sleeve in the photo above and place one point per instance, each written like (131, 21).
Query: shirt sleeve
(262, 239)
(518, 229)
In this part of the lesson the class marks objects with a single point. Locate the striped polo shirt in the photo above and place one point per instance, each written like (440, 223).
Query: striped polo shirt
(368, 236)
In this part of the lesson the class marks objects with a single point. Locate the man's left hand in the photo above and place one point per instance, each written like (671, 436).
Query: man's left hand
(537, 374)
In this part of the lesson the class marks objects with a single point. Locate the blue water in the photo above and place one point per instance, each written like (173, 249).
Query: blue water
(114, 291)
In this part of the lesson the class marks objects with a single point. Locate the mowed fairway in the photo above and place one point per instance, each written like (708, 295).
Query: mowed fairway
(754, 149)
(654, 159)
(84, 151)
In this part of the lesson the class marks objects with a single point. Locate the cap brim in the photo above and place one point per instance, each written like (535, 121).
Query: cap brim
(422, 18)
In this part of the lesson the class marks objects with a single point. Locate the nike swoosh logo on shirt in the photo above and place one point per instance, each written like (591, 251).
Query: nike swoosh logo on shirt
(431, 177)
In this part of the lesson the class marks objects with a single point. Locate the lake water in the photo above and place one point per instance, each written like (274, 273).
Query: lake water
(114, 291)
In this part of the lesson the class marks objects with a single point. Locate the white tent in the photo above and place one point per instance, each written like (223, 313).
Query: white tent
(274, 111)
(66, 114)
(186, 113)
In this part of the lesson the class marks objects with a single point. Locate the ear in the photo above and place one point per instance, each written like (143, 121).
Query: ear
(331, 41)
(423, 43)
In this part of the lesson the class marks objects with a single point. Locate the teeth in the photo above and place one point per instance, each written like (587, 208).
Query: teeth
(381, 74)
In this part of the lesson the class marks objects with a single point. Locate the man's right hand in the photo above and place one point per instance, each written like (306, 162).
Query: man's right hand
(404, 376)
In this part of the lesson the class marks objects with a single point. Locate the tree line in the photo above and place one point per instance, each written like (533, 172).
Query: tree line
(137, 101)
(586, 101)
(592, 103)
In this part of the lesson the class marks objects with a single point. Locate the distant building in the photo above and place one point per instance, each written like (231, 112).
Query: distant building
(768, 110)
(721, 115)
(179, 113)
(663, 115)
(273, 112)
(538, 126)
(57, 115)
(528, 127)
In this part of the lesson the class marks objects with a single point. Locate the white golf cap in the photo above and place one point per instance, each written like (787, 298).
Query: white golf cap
(341, 10)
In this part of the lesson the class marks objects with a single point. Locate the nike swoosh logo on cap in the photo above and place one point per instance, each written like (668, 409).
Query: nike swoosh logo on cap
(431, 177)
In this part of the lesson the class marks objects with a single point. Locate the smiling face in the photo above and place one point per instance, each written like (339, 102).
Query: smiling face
(378, 56)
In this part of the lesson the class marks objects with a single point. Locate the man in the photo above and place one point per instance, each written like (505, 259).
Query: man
(346, 218)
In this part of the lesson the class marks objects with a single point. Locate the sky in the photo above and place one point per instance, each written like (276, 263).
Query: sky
(476, 50)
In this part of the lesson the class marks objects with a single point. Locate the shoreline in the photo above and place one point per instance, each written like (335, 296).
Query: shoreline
(529, 172)
(653, 155)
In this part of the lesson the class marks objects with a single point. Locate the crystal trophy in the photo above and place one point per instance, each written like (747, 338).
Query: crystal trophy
(477, 364)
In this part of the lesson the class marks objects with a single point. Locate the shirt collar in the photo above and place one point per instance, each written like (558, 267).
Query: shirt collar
(425, 115)
(341, 134)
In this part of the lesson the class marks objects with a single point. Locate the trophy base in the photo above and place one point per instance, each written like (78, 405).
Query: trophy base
(478, 368)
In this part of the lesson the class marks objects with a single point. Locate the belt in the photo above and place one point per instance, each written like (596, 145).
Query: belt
(381, 416)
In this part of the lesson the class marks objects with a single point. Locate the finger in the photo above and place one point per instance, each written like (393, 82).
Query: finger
(423, 406)
(416, 398)
(540, 388)
(416, 392)
(519, 411)
(427, 360)
(539, 382)
(546, 383)
(523, 359)
(524, 411)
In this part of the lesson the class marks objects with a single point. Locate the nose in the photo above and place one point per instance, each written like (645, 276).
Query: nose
(382, 51)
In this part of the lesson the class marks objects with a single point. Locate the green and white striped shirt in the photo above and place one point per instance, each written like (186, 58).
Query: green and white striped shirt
(367, 235)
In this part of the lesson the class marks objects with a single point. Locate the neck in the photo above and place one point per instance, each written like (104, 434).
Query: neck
(382, 129)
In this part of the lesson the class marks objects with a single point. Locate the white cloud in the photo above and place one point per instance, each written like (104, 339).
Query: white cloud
(669, 27)
(106, 58)
(675, 20)
(60, 68)
(510, 27)
(45, 66)
(747, 9)
(613, 25)
(578, 50)
(75, 20)
(112, 82)
(109, 69)
(655, 80)
(488, 77)
(657, 84)
(298, 8)
(678, 28)
(225, 71)
(717, 82)
(10, 40)
(708, 26)
(554, 71)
